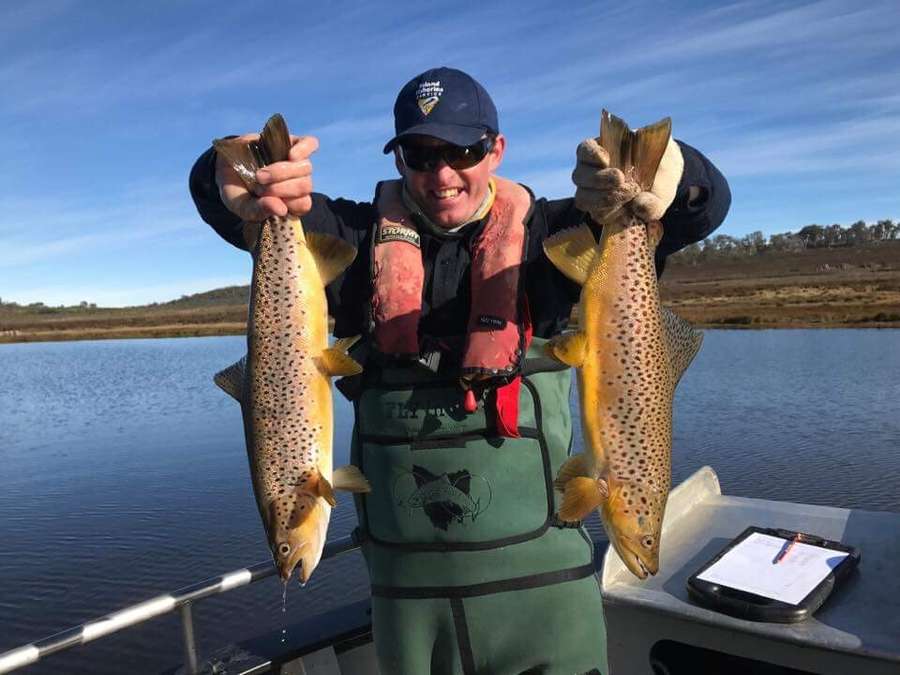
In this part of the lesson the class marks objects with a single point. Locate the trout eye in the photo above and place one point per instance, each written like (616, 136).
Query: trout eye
(647, 542)
(284, 549)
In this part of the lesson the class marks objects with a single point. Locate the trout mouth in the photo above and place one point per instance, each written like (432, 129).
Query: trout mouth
(287, 565)
(635, 563)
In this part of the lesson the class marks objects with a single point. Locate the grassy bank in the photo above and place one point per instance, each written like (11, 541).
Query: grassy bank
(827, 288)
(824, 288)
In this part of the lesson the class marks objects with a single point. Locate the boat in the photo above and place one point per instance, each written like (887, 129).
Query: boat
(652, 626)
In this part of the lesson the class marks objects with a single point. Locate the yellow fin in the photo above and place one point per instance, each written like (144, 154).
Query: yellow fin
(332, 255)
(683, 341)
(326, 492)
(351, 479)
(336, 361)
(573, 467)
(568, 348)
(573, 252)
(231, 380)
(582, 496)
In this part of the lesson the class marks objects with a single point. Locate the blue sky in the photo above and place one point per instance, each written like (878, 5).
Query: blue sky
(105, 106)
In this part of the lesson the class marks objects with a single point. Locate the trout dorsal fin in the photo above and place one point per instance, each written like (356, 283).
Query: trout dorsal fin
(231, 380)
(573, 252)
(332, 255)
(683, 341)
(635, 152)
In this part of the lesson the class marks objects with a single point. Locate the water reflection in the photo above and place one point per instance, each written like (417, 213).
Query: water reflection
(124, 473)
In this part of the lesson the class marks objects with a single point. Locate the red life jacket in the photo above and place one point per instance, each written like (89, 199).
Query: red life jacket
(499, 327)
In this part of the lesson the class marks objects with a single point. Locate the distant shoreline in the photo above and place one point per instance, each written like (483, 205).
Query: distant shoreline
(850, 287)
(735, 322)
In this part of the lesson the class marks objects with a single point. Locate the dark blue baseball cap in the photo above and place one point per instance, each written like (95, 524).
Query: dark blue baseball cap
(444, 103)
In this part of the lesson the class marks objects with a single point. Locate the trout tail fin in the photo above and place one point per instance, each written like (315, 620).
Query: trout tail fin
(636, 152)
(247, 157)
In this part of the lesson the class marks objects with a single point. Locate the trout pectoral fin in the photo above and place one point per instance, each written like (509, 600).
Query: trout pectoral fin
(334, 361)
(326, 492)
(573, 252)
(351, 479)
(231, 380)
(582, 496)
(568, 348)
(332, 255)
(574, 466)
(683, 341)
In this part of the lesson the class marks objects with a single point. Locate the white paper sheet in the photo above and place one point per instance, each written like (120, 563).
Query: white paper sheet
(749, 567)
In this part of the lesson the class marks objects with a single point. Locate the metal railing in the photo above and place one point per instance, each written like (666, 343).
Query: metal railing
(182, 599)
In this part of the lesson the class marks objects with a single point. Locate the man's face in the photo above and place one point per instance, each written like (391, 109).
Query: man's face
(448, 196)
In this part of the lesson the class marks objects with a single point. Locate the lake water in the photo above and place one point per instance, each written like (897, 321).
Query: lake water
(123, 474)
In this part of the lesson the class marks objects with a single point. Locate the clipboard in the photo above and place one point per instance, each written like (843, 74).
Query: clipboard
(762, 575)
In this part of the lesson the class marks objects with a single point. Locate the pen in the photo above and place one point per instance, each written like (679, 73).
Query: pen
(787, 548)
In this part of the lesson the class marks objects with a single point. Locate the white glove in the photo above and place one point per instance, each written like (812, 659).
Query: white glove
(601, 190)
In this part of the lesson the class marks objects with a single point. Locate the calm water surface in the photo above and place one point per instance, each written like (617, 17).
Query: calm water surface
(123, 474)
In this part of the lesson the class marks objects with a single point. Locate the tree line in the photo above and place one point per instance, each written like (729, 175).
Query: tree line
(811, 236)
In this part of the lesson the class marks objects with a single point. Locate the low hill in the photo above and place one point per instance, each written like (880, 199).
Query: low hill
(851, 286)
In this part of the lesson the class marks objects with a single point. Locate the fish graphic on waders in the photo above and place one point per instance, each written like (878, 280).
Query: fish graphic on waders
(445, 498)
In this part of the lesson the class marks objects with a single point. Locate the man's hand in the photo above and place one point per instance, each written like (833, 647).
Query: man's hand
(601, 190)
(283, 187)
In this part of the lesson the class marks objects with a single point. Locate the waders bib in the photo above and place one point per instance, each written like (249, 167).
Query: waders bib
(470, 571)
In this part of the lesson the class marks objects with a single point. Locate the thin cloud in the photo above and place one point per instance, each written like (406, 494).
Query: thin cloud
(831, 148)
(830, 22)
(17, 252)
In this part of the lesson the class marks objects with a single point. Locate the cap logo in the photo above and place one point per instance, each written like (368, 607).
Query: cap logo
(427, 95)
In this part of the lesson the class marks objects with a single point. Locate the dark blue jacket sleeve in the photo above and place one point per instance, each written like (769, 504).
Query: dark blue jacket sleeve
(686, 221)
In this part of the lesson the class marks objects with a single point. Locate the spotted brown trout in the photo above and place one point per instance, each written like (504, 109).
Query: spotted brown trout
(630, 353)
(284, 382)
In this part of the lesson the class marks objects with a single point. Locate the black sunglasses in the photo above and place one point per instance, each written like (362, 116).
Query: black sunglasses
(459, 157)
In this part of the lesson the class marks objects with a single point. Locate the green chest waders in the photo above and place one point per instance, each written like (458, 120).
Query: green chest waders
(470, 572)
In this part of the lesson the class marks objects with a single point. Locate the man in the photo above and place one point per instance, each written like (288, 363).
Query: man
(461, 424)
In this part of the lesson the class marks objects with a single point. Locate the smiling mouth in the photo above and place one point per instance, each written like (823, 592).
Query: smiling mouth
(446, 193)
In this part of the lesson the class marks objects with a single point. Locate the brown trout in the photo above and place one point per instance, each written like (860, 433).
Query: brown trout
(630, 353)
(284, 382)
